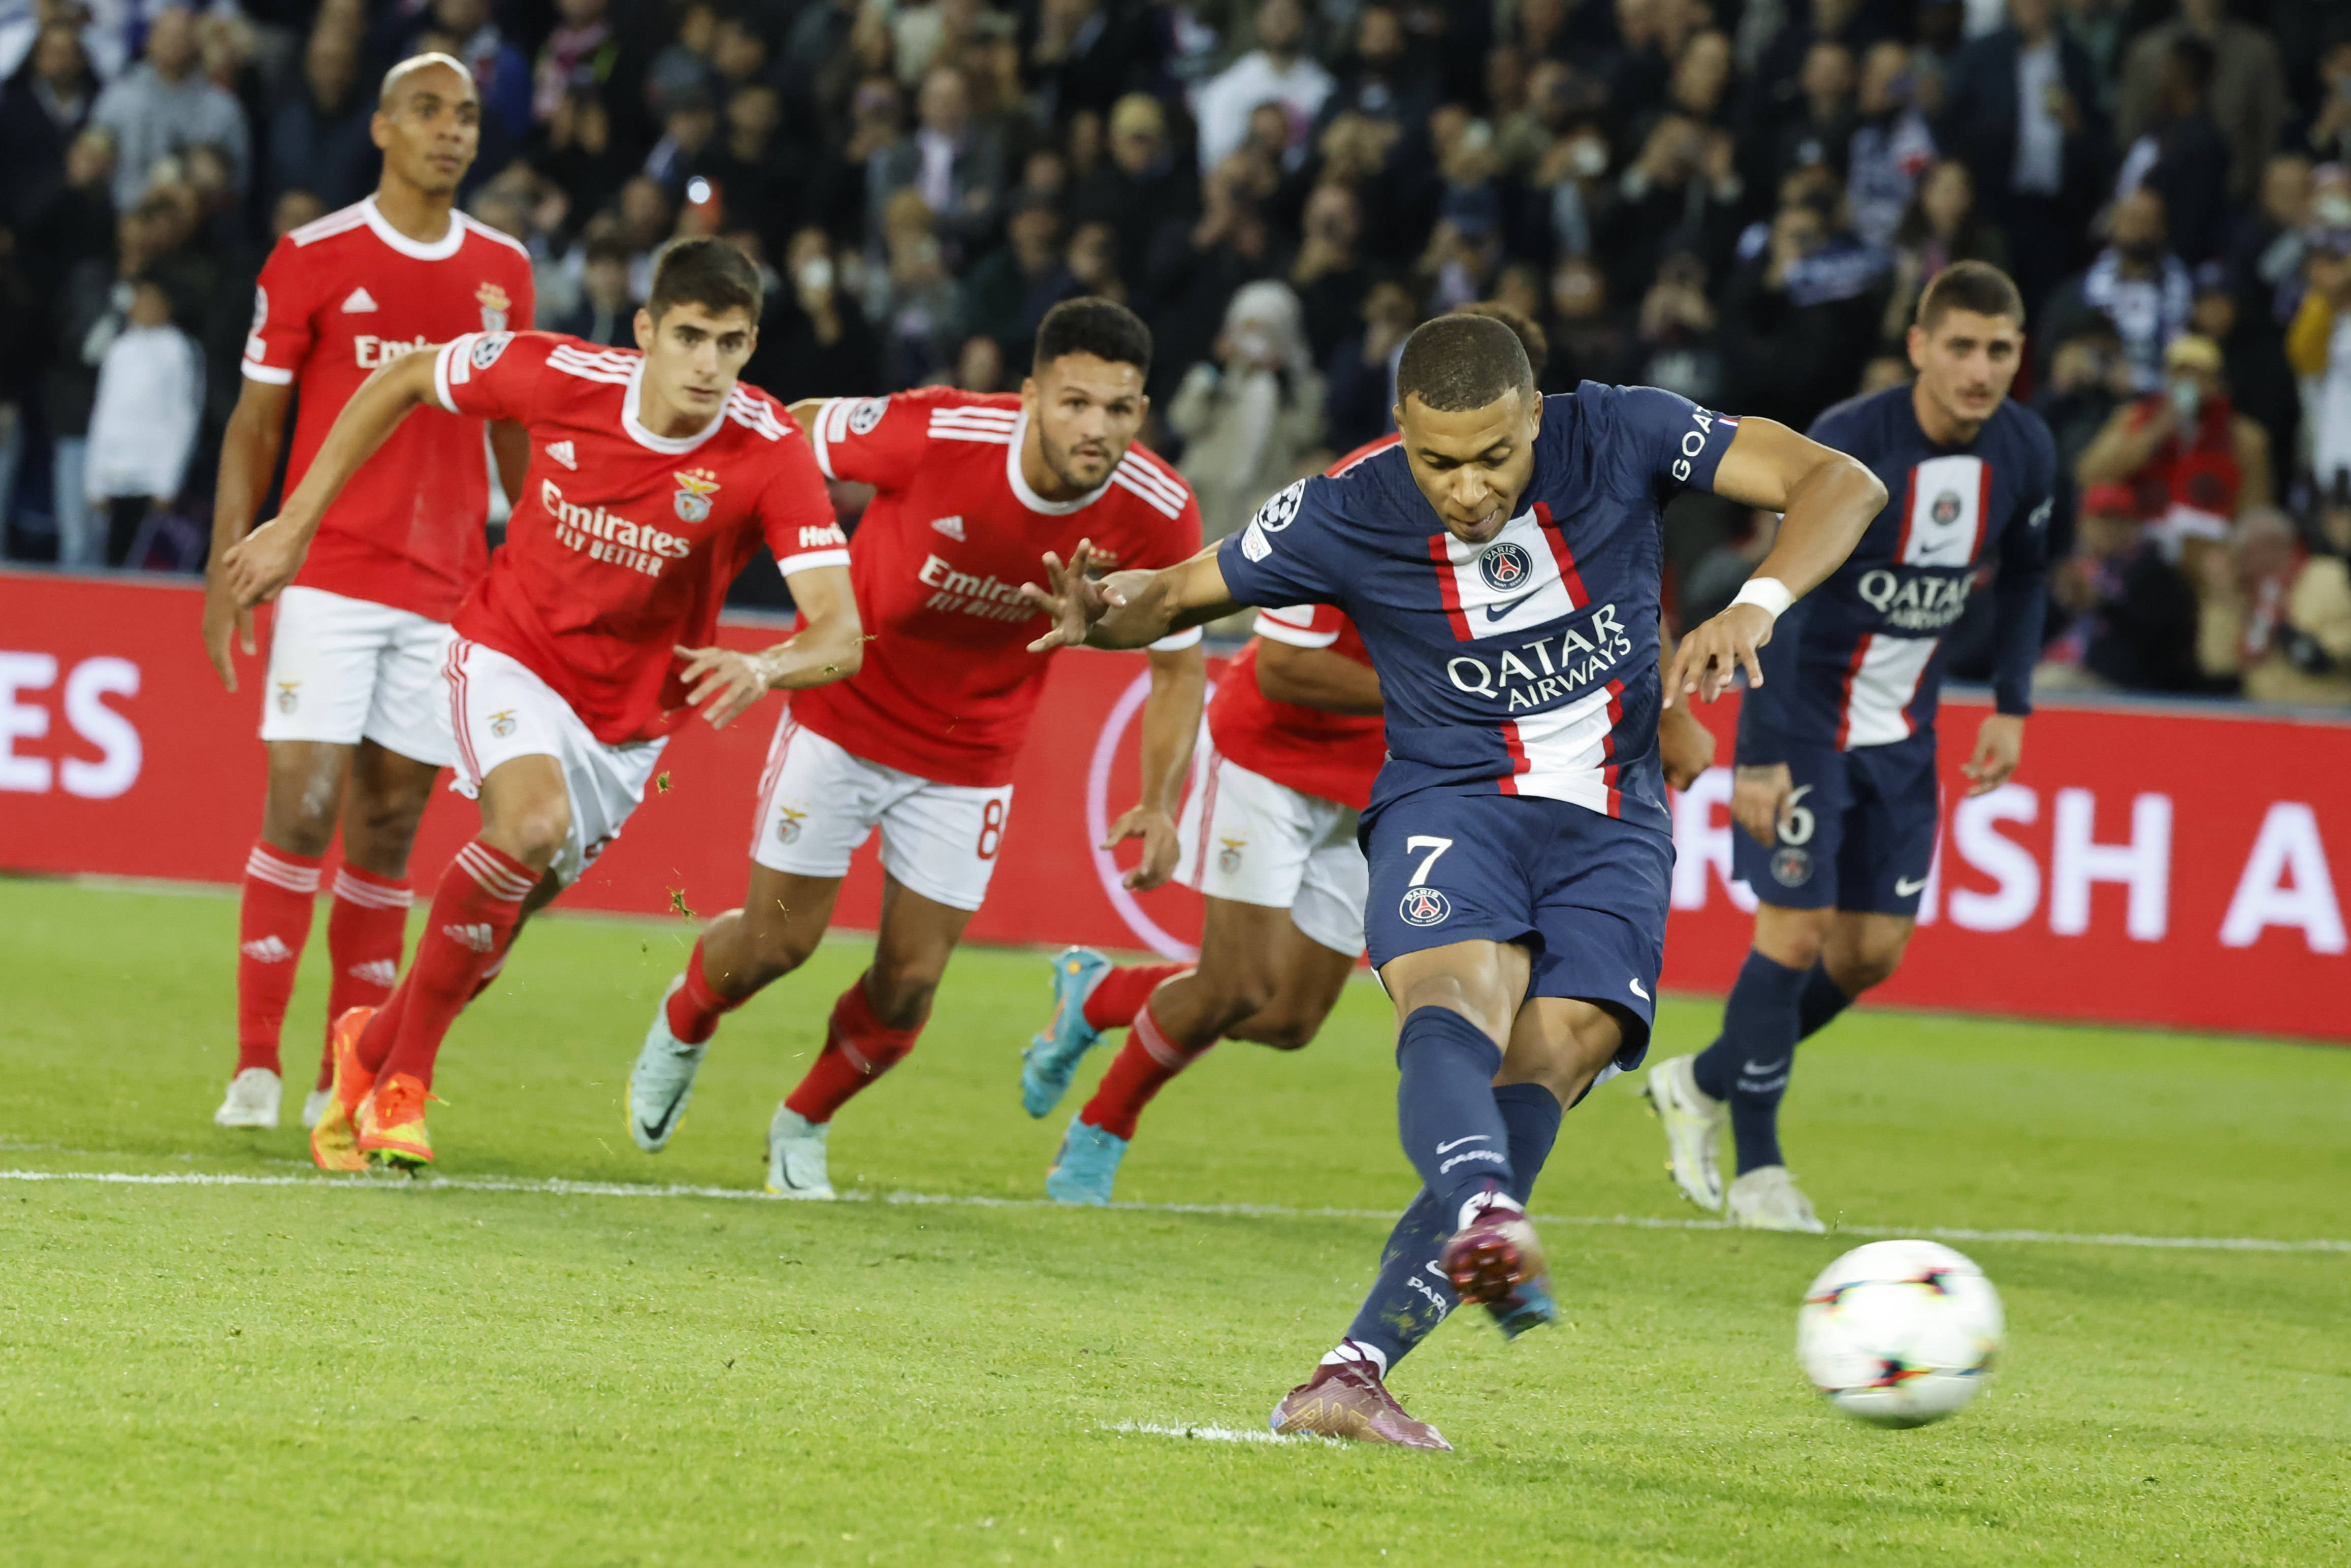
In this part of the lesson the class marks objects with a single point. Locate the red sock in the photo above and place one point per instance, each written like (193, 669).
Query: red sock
(1120, 995)
(367, 925)
(1142, 1067)
(474, 912)
(857, 1051)
(694, 1008)
(272, 923)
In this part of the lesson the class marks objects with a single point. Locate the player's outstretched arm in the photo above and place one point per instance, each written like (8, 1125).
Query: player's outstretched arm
(1126, 609)
(265, 561)
(1317, 678)
(256, 429)
(829, 646)
(1827, 500)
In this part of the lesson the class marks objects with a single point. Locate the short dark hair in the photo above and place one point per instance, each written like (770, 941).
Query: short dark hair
(1459, 362)
(699, 270)
(1531, 336)
(1977, 286)
(1092, 325)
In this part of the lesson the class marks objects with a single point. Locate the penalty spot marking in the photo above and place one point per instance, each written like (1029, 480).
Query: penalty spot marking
(558, 1186)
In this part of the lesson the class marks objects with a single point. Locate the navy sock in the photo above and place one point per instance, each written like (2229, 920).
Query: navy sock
(1749, 1065)
(1531, 1112)
(1411, 1295)
(1454, 1133)
(1824, 999)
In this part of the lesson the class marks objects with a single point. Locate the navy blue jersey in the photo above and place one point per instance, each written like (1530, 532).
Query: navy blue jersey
(1858, 661)
(1527, 666)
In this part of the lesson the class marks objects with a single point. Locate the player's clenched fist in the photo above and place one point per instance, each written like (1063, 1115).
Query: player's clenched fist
(1761, 798)
(1710, 656)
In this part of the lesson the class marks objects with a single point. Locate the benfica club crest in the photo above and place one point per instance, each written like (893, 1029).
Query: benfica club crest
(695, 488)
(495, 305)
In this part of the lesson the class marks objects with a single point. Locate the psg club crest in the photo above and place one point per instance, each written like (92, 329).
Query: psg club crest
(495, 305)
(1423, 906)
(1228, 859)
(787, 825)
(695, 488)
(1506, 567)
(502, 725)
(1791, 867)
(1947, 509)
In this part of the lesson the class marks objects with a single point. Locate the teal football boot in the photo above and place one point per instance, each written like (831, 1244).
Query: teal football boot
(1052, 1057)
(1087, 1165)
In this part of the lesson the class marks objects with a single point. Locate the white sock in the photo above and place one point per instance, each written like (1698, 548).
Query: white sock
(1348, 1349)
(1493, 1199)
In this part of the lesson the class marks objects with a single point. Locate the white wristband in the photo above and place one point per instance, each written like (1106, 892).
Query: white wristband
(1768, 594)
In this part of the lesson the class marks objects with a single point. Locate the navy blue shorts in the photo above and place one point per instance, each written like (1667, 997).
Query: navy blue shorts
(1862, 833)
(1586, 893)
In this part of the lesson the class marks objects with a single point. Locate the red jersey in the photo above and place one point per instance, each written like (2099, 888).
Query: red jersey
(623, 544)
(1334, 756)
(949, 683)
(339, 297)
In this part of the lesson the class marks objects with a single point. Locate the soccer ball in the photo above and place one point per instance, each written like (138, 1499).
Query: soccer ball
(1899, 1334)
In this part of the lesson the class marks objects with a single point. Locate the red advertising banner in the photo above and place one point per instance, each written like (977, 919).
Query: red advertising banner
(2147, 865)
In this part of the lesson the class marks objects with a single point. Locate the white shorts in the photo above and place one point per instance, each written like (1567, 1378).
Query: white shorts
(1250, 839)
(500, 711)
(344, 670)
(818, 803)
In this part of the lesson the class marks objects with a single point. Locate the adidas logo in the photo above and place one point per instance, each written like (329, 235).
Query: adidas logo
(381, 972)
(358, 300)
(951, 527)
(480, 939)
(562, 453)
(266, 950)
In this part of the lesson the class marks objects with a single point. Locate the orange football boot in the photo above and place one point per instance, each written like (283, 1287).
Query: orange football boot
(334, 1142)
(392, 1124)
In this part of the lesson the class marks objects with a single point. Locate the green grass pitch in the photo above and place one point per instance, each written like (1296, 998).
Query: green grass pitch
(410, 1374)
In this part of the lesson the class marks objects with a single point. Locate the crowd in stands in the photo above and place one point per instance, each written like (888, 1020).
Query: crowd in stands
(1737, 200)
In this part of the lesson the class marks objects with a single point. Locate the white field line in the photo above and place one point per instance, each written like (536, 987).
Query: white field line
(1221, 1434)
(561, 1187)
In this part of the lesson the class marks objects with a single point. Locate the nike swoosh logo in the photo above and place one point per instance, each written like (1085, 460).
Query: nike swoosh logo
(1637, 990)
(1497, 611)
(1905, 886)
(1751, 1066)
(1473, 1138)
(660, 1130)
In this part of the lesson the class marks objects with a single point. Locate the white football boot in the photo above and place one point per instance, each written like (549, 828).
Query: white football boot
(252, 1101)
(314, 1105)
(662, 1082)
(796, 1156)
(1768, 1199)
(1693, 1121)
